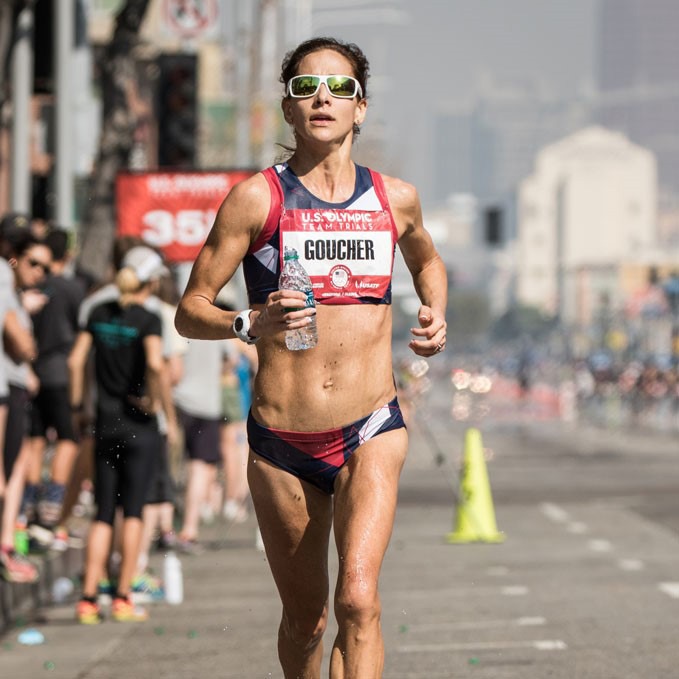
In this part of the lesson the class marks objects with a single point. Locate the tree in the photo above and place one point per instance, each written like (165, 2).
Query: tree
(121, 112)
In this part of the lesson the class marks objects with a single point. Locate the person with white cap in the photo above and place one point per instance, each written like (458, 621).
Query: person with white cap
(130, 375)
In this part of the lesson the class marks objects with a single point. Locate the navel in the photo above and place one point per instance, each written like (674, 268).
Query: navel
(328, 384)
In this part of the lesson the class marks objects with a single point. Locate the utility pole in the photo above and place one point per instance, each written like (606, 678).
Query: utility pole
(22, 87)
(244, 72)
(63, 43)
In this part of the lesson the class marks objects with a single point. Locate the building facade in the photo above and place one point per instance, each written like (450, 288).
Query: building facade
(589, 206)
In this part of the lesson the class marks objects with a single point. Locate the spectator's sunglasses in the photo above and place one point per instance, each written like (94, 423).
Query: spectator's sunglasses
(340, 86)
(34, 264)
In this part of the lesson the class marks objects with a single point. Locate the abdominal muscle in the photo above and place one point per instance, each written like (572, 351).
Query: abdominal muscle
(345, 377)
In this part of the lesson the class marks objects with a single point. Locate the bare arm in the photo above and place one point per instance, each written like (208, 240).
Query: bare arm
(425, 265)
(160, 389)
(239, 220)
(19, 342)
(77, 362)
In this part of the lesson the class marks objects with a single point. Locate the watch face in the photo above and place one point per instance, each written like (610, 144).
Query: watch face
(238, 324)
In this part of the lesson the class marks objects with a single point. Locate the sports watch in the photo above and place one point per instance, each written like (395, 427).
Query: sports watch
(241, 327)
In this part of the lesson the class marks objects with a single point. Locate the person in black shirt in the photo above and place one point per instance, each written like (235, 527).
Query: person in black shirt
(55, 327)
(130, 375)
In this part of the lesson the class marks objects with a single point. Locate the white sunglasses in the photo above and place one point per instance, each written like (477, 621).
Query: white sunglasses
(340, 86)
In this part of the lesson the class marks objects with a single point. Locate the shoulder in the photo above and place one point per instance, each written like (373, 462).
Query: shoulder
(251, 196)
(401, 194)
(244, 210)
(405, 204)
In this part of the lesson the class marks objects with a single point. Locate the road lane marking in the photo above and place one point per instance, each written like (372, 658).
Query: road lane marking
(599, 545)
(526, 621)
(554, 512)
(497, 570)
(443, 593)
(514, 590)
(670, 588)
(539, 644)
(631, 565)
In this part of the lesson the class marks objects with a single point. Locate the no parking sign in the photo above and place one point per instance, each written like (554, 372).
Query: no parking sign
(191, 18)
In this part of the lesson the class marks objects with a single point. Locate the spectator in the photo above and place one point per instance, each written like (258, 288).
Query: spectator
(30, 259)
(198, 400)
(130, 373)
(239, 368)
(55, 327)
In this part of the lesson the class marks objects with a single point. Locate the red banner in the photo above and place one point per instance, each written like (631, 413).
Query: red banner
(173, 211)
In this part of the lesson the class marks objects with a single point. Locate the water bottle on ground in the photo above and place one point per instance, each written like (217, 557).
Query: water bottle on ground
(62, 588)
(174, 581)
(294, 277)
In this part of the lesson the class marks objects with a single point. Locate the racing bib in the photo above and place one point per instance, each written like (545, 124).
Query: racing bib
(347, 253)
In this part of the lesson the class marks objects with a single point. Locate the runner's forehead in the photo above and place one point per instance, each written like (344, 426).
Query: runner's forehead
(325, 62)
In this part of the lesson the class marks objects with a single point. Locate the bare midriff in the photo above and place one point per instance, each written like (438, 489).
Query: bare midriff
(345, 377)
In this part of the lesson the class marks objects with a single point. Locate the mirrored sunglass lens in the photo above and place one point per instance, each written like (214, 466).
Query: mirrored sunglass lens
(304, 85)
(342, 86)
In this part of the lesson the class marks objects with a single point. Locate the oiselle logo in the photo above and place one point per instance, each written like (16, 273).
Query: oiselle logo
(340, 276)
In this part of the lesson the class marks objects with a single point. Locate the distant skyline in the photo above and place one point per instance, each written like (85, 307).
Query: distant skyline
(446, 51)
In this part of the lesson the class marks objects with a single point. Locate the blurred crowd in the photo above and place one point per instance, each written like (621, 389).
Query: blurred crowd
(601, 389)
(117, 433)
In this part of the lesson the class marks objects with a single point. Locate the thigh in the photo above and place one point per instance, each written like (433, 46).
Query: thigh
(15, 430)
(57, 413)
(295, 520)
(366, 491)
(142, 446)
(106, 477)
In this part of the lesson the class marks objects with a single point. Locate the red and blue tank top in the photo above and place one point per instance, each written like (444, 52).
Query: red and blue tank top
(346, 248)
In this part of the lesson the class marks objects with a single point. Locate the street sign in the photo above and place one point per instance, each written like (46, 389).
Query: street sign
(191, 18)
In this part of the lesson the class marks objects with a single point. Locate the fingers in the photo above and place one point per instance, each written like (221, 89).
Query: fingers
(284, 310)
(430, 339)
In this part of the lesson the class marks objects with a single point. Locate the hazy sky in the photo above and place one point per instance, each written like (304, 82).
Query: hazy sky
(433, 54)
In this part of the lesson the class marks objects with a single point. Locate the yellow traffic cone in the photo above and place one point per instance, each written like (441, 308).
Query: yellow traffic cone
(475, 520)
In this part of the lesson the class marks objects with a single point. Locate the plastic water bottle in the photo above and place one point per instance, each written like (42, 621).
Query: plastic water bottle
(21, 538)
(174, 581)
(62, 588)
(294, 277)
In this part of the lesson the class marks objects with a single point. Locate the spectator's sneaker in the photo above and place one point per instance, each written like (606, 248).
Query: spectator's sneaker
(189, 546)
(43, 537)
(146, 588)
(105, 591)
(88, 613)
(17, 568)
(123, 610)
(166, 541)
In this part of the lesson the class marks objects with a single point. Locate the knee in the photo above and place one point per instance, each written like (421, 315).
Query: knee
(304, 629)
(357, 605)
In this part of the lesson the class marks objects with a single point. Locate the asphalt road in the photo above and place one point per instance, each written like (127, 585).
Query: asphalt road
(585, 585)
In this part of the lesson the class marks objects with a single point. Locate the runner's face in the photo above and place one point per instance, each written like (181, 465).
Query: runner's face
(323, 117)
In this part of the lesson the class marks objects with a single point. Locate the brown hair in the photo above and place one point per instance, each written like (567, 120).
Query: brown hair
(349, 50)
